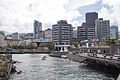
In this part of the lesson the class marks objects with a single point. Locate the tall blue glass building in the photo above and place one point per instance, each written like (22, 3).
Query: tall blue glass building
(114, 32)
(37, 29)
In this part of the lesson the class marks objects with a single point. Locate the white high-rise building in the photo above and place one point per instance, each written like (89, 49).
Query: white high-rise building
(102, 29)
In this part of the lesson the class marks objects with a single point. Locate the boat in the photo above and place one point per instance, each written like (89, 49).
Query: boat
(64, 56)
(44, 58)
(19, 72)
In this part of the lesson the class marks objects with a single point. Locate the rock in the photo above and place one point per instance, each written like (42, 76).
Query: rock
(19, 72)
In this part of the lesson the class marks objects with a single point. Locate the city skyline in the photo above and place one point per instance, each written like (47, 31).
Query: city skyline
(18, 16)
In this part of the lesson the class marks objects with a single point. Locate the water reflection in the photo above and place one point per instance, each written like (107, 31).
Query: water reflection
(34, 68)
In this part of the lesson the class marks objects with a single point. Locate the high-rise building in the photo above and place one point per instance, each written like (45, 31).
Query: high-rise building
(90, 24)
(102, 29)
(87, 30)
(48, 35)
(114, 32)
(91, 17)
(37, 28)
(82, 32)
(62, 33)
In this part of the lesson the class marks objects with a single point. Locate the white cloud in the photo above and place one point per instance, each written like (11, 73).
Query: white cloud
(74, 4)
(111, 11)
(18, 15)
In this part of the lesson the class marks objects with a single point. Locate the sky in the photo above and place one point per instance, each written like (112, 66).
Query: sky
(19, 15)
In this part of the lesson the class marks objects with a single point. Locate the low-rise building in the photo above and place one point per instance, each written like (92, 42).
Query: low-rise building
(11, 42)
(15, 35)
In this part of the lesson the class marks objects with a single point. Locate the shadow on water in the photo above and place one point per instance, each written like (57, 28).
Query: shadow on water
(108, 72)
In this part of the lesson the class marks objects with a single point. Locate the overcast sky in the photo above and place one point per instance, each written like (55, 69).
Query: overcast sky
(19, 15)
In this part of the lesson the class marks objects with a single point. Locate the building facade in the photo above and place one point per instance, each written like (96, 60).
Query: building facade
(74, 33)
(114, 32)
(91, 17)
(82, 32)
(41, 36)
(15, 35)
(87, 30)
(61, 33)
(90, 24)
(37, 29)
(48, 35)
(102, 29)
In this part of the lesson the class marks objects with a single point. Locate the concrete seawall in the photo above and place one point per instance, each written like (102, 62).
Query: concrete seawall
(27, 52)
(103, 64)
(77, 58)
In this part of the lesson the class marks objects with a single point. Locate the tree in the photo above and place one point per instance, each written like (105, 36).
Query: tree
(50, 46)
(31, 46)
(101, 43)
(110, 41)
(9, 46)
(75, 42)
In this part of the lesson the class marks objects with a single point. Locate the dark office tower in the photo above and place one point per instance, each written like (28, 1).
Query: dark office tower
(91, 17)
(62, 33)
(37, 28)
(90, 24)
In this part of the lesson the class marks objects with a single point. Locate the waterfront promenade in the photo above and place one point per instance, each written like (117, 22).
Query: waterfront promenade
(103, 54)
(25, 51)
(6, 50)
(108, 63)
(98, 58)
